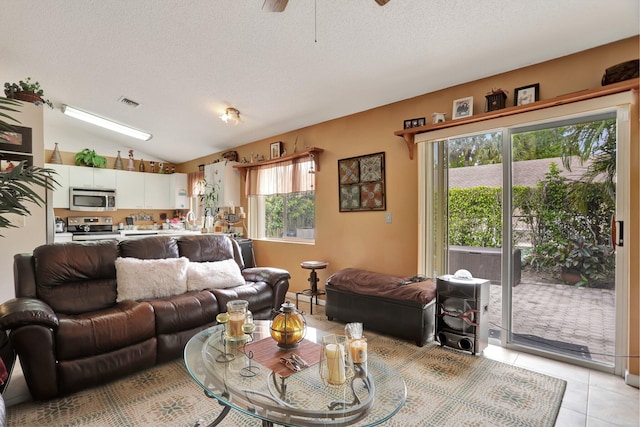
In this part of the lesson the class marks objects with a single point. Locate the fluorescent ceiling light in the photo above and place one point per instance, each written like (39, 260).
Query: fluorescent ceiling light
(105, 123)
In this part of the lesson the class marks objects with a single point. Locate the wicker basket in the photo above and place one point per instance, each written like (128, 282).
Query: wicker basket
(24, 96)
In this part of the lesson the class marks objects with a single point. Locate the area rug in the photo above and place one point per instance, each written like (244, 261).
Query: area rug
(444, 388)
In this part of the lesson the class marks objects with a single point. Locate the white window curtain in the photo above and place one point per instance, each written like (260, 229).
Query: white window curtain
(289, 176)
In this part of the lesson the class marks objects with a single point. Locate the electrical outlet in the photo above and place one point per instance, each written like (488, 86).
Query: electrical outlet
(387, 218)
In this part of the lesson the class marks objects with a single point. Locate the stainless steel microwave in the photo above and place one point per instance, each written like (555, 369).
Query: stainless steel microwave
(92, 199)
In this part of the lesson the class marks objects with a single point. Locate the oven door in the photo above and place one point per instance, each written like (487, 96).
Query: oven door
(95, 235)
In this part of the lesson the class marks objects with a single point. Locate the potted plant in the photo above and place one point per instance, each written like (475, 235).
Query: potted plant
(496, 99)
(26, 90)
(89, 157)
(584, 263)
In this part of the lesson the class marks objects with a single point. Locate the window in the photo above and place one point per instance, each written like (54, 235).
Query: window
(282, 201)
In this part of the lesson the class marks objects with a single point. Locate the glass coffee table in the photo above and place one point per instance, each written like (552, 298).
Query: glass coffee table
(247, 375)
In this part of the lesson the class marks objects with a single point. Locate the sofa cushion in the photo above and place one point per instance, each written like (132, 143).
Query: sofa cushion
(103, 331)
(76, 277)
(258, 294)
(184, 312)
(158, 247)
(206, 248)
(212, 275)
(151, 278)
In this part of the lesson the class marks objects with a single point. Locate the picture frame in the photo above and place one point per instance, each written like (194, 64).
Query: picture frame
(413, 123)
(526, 94)
(9, 160)
(17, 141)
(276, 150)
(462, 107)
(362, 183)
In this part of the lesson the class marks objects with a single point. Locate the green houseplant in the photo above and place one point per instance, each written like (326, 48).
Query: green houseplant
(89, 157)
(18, 185)
(26, 90)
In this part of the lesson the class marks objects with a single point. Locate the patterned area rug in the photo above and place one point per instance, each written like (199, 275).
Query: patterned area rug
(444, 388)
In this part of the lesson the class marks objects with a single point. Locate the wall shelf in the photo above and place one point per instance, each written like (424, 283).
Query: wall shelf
(313, 152)
(409, 134)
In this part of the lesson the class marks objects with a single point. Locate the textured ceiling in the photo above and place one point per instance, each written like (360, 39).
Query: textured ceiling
(186, 61)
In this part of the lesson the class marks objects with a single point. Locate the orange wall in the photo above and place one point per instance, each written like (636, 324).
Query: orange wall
(362, 239)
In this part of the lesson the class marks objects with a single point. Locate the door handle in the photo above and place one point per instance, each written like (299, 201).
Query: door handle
(617, 233)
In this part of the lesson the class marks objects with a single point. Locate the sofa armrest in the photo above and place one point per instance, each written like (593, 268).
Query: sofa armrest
(276, 277)
(270, 275)
(26, 311)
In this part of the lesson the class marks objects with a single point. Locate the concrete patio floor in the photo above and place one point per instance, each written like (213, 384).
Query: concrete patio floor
(570, 320)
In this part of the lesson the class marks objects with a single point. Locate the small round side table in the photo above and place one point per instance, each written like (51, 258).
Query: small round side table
(313, 280)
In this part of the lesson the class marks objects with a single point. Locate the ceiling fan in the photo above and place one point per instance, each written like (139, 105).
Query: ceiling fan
(279, 5)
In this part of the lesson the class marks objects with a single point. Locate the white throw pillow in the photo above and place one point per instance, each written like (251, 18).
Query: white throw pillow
(151, 278)
(210, 275)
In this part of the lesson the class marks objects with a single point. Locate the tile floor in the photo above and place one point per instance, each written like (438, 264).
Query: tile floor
(592, 398)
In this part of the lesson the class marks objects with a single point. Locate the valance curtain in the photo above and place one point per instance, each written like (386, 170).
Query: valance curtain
(194, 183)
(288, 176)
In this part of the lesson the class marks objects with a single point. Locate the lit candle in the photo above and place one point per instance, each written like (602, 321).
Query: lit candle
(335, 364)
(236, 320)
(358, 350)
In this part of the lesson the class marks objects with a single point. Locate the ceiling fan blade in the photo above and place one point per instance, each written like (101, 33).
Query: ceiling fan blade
(275, 5)
(382, 2)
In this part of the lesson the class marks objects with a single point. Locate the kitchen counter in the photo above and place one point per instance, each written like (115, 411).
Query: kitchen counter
(132, 234)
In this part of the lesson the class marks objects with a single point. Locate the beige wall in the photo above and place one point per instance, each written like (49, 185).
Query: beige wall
(31, 230)
(362, 239)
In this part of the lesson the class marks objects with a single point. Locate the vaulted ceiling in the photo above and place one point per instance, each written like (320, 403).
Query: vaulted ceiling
(186, 61)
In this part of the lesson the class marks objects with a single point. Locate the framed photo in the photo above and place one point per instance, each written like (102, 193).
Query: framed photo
(463, 107)
(18, 141)
(8, 161)
(362, 183)
(526, 94)
(276, 149)
(414, 123)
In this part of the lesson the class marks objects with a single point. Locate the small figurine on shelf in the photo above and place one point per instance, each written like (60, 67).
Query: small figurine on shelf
(173, 169)
(141, 167)
(166, 170)
(131, 165)
(160, 166)
(152, 165)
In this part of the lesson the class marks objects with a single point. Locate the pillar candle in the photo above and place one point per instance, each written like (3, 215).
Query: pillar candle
(335, 364)
(358, 350)
(236, 320)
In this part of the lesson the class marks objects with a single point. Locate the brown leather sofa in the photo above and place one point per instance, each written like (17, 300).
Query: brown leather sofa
(70, 333)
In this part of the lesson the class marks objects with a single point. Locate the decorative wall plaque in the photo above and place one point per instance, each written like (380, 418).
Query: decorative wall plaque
(362, 183)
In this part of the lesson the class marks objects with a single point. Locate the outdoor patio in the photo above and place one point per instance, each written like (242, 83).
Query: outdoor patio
(572, 320)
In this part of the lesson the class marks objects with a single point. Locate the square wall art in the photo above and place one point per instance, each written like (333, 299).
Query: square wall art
(362, 184)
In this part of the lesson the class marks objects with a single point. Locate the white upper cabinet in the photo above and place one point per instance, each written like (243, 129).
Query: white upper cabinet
(178, 191)
(226, 178)
(156, 191)
(88, 177)
(61, 191)
(129, 190)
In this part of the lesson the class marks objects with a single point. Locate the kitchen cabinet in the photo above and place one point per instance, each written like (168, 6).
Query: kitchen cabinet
(130, 191)
(226, 179)
(156, 191)
(178, 191)
(137, 190)
(61, 191)
(87, 177)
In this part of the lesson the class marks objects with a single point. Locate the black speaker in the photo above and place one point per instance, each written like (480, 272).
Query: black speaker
(462, 313)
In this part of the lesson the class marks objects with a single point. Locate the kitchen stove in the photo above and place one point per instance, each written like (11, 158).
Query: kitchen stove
(92, 228)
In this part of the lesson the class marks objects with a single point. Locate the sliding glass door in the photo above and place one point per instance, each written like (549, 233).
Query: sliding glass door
(534, 216)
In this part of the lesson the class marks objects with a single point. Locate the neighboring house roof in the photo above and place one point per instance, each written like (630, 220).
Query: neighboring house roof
(526, 173)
